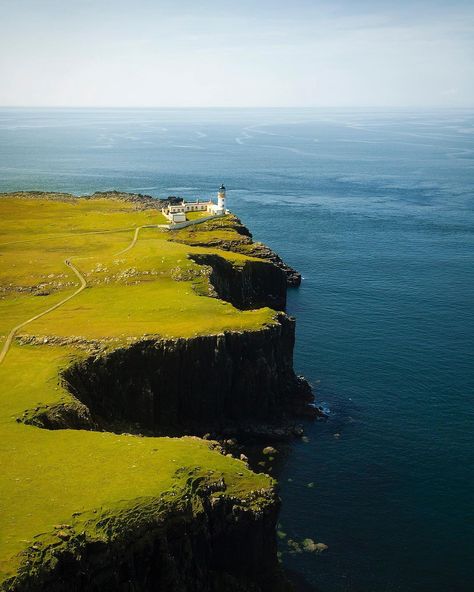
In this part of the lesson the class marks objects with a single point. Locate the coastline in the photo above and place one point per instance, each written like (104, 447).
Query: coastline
(251, 366)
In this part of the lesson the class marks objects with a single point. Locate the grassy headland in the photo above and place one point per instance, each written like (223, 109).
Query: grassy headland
(57, 483)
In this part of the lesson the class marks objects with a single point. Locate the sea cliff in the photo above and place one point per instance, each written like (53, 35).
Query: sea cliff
(201, 540)
(173, 333)
(233, 382)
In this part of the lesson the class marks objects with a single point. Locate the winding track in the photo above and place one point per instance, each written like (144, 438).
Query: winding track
(83, 285)
(135, 237)
(11, 335)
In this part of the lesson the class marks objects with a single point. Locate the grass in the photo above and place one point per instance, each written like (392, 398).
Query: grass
(48, 477)
(218, 231)
(196, 215)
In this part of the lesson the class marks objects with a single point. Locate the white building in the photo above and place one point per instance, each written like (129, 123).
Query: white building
(177, 213)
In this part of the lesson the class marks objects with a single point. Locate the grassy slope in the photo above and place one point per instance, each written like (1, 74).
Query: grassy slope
(196, 215)
(220, 231)
(47, 476)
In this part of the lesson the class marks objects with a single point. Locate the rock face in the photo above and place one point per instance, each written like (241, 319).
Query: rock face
(192, 385)
(200, 543)
(293, 277)
(255, 284)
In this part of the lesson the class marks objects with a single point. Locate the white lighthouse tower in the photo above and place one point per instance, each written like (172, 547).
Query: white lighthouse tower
(221, 200)
(218, 209)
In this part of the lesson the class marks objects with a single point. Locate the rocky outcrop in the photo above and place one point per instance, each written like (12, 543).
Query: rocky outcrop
(252, 285)
(73, 415)
(200, 541)
(194, 385)
(140, 200)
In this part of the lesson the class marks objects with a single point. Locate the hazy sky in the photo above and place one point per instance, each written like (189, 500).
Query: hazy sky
(237, 53)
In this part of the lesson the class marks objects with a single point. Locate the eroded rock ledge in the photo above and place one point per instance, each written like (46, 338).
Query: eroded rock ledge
(214, 383)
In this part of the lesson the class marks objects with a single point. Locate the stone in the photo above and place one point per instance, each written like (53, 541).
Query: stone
(294, 546)
(310, 546)
(269, 451)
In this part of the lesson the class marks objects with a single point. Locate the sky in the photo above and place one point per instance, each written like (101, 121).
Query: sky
(239, 53)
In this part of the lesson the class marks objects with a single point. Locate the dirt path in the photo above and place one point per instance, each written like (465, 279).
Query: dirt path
(11, 335)
(135, 237)
(83, 285)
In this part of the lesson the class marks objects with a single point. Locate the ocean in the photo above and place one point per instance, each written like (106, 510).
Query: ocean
(376, 209)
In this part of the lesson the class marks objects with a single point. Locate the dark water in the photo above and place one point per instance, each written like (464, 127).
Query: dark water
(376, 210)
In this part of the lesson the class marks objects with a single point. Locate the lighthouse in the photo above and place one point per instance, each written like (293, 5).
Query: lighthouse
(176, 213)
(221, 199)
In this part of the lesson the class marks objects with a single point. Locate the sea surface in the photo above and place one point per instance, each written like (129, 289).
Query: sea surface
(376, 209)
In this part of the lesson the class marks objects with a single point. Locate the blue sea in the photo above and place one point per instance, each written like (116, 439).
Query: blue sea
(376, 209)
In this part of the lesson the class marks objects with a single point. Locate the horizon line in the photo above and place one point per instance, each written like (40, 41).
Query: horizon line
(184, 107)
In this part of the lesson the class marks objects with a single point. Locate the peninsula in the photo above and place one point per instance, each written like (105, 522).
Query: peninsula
(134, 332)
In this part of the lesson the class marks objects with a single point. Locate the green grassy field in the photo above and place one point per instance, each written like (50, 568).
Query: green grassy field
(50, 477)
(196, 215)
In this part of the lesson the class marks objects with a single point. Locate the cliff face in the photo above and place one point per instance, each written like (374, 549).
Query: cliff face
(191, 385)
(293, 277)
(254, 285)
(202, 542)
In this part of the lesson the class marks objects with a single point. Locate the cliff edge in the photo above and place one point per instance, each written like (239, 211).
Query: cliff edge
(230, 234)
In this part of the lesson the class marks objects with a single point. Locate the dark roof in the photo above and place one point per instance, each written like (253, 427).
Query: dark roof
(222, 187)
